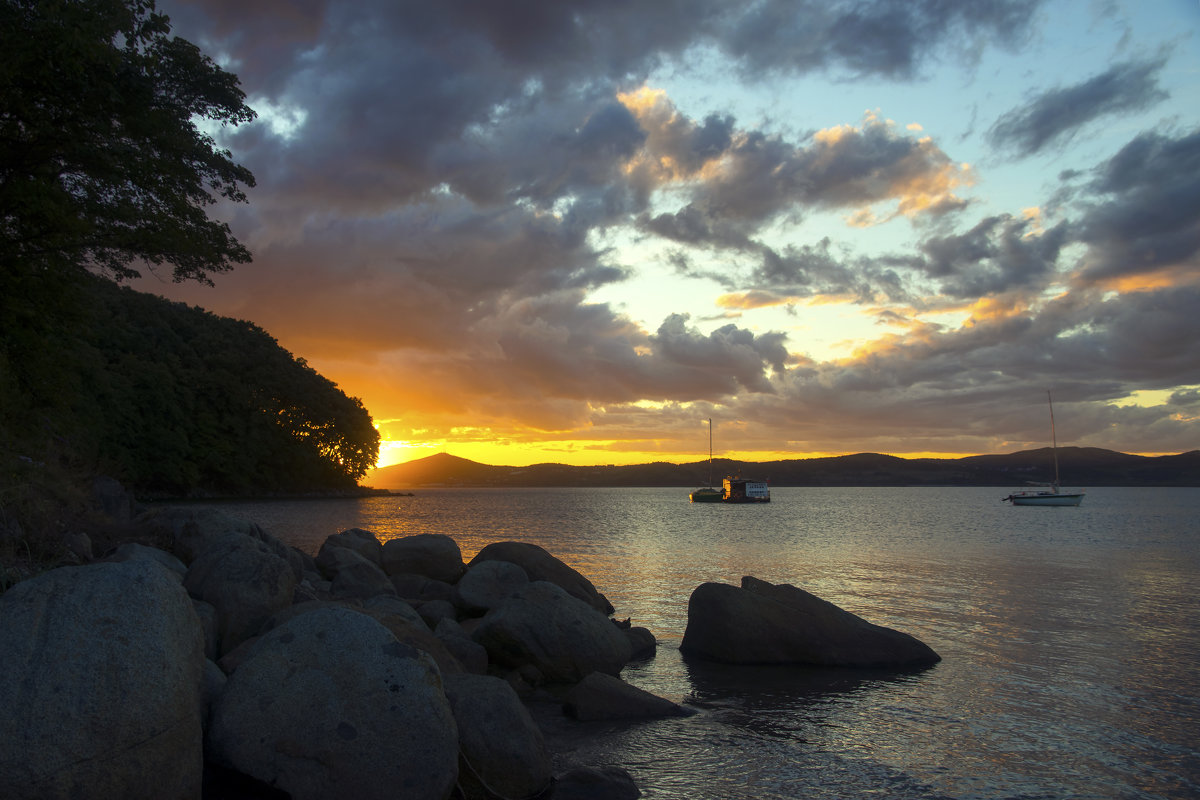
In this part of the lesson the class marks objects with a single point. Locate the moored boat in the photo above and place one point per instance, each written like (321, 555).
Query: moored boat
(707, 494)
(740, 490)
(1052, 495)
(1045, 497)
(733, 489)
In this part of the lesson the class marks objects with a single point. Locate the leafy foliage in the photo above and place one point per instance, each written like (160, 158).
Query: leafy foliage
(174, 400)
(105, 163)
(102, 162)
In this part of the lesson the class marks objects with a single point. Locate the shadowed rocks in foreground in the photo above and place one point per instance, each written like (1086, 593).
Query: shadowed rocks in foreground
(764, 623)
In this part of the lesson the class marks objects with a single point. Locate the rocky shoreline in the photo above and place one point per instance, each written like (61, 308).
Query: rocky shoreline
(228, 664)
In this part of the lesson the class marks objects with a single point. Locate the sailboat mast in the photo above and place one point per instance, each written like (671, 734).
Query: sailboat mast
(710, 452)
(1053, 439)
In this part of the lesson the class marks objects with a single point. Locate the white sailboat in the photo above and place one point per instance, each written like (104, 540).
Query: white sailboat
(1053, 496)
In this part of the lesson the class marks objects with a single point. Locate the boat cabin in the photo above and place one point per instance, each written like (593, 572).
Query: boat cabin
(740, 490)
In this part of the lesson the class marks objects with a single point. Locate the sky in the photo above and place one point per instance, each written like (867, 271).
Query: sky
(576, 231)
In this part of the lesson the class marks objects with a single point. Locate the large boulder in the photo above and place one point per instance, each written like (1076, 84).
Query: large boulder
(100, 685)
(353, 575)
(502, 750)
(330, 704)
(470, 654)
(132, 551)
(602, 697)
(764, 623)
(563, 637)
(486, 584)
(642, 643)
(245, 581)
(191, 529)
(360, 541)
(300, 562)
(433, 555)
(539, 565)
(412, 586)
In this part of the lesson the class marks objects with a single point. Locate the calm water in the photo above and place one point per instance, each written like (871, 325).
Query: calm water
(1069, 636)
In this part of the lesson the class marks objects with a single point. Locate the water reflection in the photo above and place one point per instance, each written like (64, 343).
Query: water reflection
(1069, 639)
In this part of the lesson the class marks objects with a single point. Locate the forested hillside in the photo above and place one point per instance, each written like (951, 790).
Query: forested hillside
(172, 400)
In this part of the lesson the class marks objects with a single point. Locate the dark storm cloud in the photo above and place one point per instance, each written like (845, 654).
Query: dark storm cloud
(999, 253)
(1147, 218)
(1053, 117)
(885, 37)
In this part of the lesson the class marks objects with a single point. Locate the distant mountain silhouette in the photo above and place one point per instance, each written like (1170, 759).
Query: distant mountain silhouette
(1079, 467)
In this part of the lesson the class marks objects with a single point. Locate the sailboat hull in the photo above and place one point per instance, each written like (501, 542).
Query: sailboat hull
(1046, 499)
(706, 496)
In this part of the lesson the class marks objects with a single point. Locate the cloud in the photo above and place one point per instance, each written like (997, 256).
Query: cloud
(1144, 220)
(999, 253)
(734, 194)
(889, 38)
(443, 188)
(1053, 117)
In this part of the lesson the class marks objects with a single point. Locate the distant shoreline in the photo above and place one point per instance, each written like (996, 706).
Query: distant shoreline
(1078, 467)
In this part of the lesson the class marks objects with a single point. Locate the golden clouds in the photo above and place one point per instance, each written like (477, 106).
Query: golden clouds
(745, 301)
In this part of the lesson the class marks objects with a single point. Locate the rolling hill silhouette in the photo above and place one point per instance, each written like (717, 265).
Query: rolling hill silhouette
(1079, 467)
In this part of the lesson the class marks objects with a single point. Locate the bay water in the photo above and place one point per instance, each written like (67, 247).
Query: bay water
(1070, 637)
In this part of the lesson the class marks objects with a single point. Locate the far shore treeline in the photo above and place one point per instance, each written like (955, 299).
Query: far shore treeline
(1081, 466)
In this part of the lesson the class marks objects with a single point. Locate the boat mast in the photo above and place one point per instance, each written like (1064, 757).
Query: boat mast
(1053, 439)
(710, 452)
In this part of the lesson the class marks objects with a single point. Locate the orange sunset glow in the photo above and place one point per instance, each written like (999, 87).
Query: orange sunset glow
(516, 253)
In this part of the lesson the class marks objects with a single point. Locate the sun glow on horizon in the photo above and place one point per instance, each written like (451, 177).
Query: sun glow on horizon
(587, 453)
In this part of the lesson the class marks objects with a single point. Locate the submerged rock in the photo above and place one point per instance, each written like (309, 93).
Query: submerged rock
(764, 623)
(600, 696)
(595, 783)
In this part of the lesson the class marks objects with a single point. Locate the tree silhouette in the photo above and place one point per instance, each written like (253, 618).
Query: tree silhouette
(102, 161)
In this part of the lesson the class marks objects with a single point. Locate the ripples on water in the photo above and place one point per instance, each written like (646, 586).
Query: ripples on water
(1068, 635)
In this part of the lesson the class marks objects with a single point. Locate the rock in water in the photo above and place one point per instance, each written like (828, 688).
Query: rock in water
(600, 696)
(543, 626)
(502, 750)
(595, 783)
(100, 685)
(330, 704)
(764, 623)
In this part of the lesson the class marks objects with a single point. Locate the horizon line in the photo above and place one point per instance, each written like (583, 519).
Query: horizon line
(799, 458)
